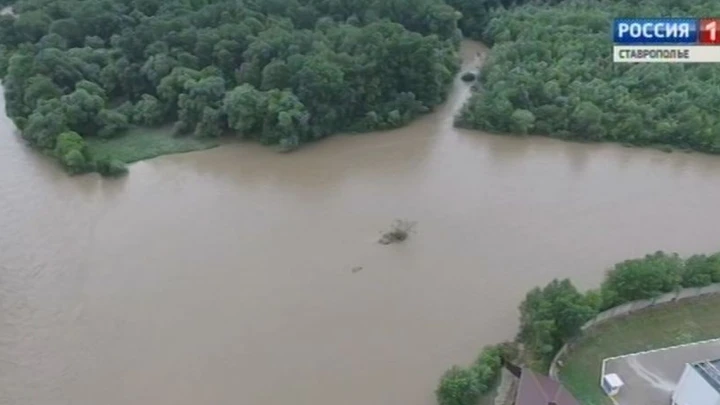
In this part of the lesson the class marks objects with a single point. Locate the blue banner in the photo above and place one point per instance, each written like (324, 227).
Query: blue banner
(655, 31)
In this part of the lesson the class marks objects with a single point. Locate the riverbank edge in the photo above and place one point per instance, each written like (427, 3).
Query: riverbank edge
(637, 308)
(96, 146)
(145, 143)
(175, 145)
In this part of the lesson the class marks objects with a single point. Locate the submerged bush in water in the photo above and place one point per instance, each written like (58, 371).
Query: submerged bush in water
(399, 232)
(111, 167)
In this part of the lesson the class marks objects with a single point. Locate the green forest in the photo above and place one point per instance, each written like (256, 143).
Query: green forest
(550, 72)
(282, 72)
(101, 83)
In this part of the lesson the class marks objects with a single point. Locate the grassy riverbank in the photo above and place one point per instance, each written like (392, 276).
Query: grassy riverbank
(672, 324)
(146, 143)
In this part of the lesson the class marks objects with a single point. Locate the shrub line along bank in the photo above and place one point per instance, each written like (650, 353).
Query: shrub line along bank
(556, 314)
(629, 308)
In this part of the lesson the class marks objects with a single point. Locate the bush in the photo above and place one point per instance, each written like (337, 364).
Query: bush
(522, 121)
(551, 316)
(68, 141)
(399, 232)
(656, 274)
(148, 111)
(74, 162)
(111, 167)
(468, 77)
(701, 270)
(639, 279)
(71, 150)
(487, 367)
(458, 386)
(594, 299)
(289, 144)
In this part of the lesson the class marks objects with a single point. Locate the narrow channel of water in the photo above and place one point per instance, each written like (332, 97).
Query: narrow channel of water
(224, 277)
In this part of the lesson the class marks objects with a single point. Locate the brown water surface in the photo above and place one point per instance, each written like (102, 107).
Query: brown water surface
(225, 277)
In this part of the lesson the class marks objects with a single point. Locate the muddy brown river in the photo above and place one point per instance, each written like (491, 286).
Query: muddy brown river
(226, 277)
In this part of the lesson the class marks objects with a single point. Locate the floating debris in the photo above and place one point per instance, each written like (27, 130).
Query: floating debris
(400, 231)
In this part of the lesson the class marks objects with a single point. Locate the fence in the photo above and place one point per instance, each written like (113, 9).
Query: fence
(633, 306)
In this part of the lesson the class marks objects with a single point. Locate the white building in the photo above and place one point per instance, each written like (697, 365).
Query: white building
(699, 384)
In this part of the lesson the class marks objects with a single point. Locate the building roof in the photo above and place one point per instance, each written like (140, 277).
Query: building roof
(537, 389)
(710, 371)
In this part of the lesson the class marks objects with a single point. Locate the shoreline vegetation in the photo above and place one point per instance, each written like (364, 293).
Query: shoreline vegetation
(287, 72)
(550, 74)
(79, 74)
(553, 316)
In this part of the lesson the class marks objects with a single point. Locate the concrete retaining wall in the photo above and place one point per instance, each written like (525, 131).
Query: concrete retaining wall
(634, 306)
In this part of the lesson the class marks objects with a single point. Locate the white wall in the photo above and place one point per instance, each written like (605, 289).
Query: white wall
(692, 389)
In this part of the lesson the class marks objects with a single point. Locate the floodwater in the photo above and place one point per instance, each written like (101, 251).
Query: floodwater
(226, 277)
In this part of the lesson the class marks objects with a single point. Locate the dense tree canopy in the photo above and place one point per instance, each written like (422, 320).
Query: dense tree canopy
(551, 316)
(286, 72)
(283, 72)
(551, 73)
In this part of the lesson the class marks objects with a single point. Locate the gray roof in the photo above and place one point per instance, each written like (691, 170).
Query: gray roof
(710, 371)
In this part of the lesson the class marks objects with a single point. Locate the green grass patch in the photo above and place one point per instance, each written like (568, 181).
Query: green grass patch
(146, 143)
(686, 321)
